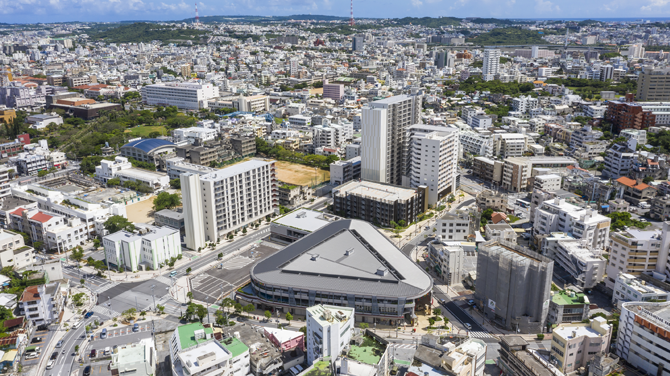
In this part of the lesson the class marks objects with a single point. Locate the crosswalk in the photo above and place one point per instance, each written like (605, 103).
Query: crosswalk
(404, 346)
(480, 335)
(105, 311)
(163, 279)
(105, 287)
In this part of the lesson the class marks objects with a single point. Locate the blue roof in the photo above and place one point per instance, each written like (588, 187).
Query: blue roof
(148, 144)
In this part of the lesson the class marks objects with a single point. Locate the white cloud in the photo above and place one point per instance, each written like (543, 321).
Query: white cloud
(655, 4)
(544, 6)
(417, 3)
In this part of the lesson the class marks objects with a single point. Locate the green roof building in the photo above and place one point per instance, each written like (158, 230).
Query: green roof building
(567, 307)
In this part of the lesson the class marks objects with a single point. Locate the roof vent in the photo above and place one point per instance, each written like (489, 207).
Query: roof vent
(314, 257)
(381, 271)
(349, 252)
(301, 215)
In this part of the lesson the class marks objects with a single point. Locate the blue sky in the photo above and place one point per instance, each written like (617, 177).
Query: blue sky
(28, 11)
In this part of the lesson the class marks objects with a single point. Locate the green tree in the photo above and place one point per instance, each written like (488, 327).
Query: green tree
(238, 308)
(42, 173)
(175, 183)
(166, 200)
(160, 309)
(244, 230)
(96, 242)
(437, 311)
(117, 223)
(129, 314)
(77, 254)
(648, 179)
(267, 314)
(248, 308)
(189, 295)
(363, 325)
(82, 281)
(188, 270)
(289, 317)
(113, 182)
(201, 311)
(78, 299)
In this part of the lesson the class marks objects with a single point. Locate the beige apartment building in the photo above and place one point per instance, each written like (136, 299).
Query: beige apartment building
(574, 345)
(634, 252)
(653, 85)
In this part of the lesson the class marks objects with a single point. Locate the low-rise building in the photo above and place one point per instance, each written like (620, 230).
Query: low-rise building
(120, 168)
(586, 266)
(13, 251)
(567, 307)
(195, 352)
(558, 216)
(54, 231)
(41, 121)
(194, 135)
(447, 259)
(147, 248)
(344, 171)
(643, 288)
(549, 182)
(633, 191)
(42, 304)
(500, 232)
(137, 358)
(454, 227)
(301, 222)
(574, 345)
(517, 358)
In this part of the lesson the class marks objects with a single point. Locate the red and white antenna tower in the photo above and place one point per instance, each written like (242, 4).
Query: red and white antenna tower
(351, 20)
(197, 18)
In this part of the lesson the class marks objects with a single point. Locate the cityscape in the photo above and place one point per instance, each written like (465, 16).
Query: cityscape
(193, 192)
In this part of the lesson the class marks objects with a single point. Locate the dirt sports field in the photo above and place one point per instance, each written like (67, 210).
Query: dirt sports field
(139, 212)
(298, 174)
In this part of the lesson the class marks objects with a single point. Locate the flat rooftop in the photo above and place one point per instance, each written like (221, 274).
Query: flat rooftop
(306, 219)
(140, 174)
(377, 191)
(661, 310)
(235, 169)
(347, 256)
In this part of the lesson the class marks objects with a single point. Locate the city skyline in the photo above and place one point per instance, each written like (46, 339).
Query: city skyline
(45, 11)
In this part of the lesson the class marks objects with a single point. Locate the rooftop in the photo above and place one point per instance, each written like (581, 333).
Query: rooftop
(306, 219)
(236, 169)
(569, 298)
(148, 144)
(375, 190)
(346, 256)
(235, 346)
(187, 334)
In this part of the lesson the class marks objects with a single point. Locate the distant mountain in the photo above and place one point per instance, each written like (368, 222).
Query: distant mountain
(299, 17)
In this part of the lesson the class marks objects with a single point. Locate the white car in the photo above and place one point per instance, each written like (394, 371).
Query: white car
(32, 355)
(468, 326)
(51, 363)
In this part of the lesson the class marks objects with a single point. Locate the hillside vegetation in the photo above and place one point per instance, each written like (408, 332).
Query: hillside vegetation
(145, 33)
(508, 36)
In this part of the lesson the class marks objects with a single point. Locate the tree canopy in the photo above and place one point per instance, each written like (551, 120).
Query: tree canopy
(117, 223)
(166, 200)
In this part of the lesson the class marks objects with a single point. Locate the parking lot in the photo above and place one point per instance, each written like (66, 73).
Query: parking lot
(45, 336)
(132, 295)
(223, 279)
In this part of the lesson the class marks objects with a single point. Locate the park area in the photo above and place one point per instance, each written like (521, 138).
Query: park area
(145, 130)
(298, 174)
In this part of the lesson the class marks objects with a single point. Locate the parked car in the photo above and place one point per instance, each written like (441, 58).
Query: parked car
(87, 371)
(136, 328)
(32, 355)
(93, 353)
(36, 339)
(88, 315)
(471, 302)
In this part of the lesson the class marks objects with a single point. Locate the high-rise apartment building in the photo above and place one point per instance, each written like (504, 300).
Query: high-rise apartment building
(231, 198)
(644, 336)
(357, 44)
(653, 85)
(585, 224)
(385, 144)
(329, 330)
(635, 252)
(434, 161)
(193, 214)
(491, 64)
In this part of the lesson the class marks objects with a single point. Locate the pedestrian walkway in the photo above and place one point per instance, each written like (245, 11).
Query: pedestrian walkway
(105, 311)
(105, 287)
(480, 335)
(403, 346)
(163, 279)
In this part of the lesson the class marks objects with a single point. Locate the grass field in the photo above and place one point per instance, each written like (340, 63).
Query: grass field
(144, 131)
(298, 174)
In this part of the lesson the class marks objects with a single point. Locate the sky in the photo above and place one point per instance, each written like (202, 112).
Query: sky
(32, 11)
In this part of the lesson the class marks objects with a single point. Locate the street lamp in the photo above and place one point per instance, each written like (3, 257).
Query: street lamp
(109, 306)
(153, 297)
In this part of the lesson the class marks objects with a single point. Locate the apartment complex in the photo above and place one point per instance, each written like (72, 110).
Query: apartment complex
(513, 286)
(454, 227)
(434, 162)
(653, 85)
(55, 232)
(229, 199)
(42, 304)
(584, 224)
(447, 259)
(586, 266)
(491, 64)
(636, 251)
(643, 336)
(385, 147)
(190, 96)
(619, 160)
(517, 358)
(329, 331)
(147, 248)
(13, 251)
(379, 203)
(574, 345)
(643, 288)
(344, 171)
(628, 115)
(517, 171)
(333, 91)
(568, 306)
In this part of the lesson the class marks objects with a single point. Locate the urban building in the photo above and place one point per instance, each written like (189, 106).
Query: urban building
(628, 115)
(501, 232)
(42, 304)
(170, 218)
(379, 203)
(567, 306)
(454, 227)
(642, 340)
(253, 103)
(574, 345)
(586, 266)
(512, 286)
(636, 251)
(231, 198)
(194, 135)
(243, 146)
(191, 198)
(491, 65)
(434, 162)
(13, 251)
(384, 149)
(517, 171)
(55, 232)
(123, 170)
(191, 96)
(139, 358)
(640, 288)
(447, 260)
(329, 331)
(147, 248)
(633, 191)
(388, 287)
(29, 163)
(41, 121)
(619, 160)
(508, 145)
(487, 169)
(345, 171)
(559, 216)
(299, 223)
(547, 183)
(517, 358)
(653, 84)
(333, 91)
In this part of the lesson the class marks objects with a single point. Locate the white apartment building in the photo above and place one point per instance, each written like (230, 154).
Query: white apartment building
(574, 345)
(637, 251)
(596, 112)
(524, 104)
(329, 331)
(177, 166)
(41, 121)
(508, 145)
(618, 161)
(56, 232)
(642, 340)
(254, 103)
(491, 65)
(139, 357)
(231, 198)
(42, 304)
(501, 232)
(448, 259)
(13, 251)
(191, 96)
(300, 121)
(434, 162)
(4, 182)
(481, 121)
(195, 352)
(296, 108)
(476, 144)
(454, 227)
(559, 216)
(629, 288)
(29, 164)
(638, 134)
(586, 266)
(581, 136)
(549, 182)
(194, 135)
(324, 137)
(146, 248)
